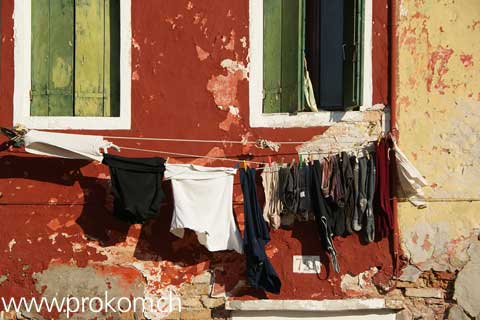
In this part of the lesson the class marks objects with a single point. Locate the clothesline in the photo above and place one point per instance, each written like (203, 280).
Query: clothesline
(191, 155)
(244, 142)
(217, 158)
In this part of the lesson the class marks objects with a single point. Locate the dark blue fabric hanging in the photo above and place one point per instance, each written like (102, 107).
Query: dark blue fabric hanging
(260, 272)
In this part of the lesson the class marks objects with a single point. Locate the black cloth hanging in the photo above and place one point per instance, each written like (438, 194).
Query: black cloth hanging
(348, 187)
(323, 216)
(136, 187)
(260, 272)
(336, 201)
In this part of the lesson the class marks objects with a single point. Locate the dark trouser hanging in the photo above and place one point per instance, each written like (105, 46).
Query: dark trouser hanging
(323, 216)
(260, 272)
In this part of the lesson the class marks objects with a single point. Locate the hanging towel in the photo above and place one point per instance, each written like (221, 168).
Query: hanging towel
(409, 180)
(203, 203)
(136, 187)
(65, 145)
(260, 272)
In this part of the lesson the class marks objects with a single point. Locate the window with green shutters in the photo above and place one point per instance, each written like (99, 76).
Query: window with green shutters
(75, 58)
(329, 35)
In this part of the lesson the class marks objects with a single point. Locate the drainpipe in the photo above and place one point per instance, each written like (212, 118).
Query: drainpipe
(393, 18)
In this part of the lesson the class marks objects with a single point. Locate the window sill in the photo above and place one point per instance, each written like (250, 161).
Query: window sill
(87, 123)
(313, 119)
(306, 305)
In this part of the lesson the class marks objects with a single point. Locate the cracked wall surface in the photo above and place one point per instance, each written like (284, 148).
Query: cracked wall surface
(190, 64)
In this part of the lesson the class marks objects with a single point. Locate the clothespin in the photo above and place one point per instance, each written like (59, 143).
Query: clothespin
(270, 161)
(168, 158)
(244, 164)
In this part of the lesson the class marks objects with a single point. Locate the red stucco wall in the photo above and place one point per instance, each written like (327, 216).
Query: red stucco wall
(177, 83)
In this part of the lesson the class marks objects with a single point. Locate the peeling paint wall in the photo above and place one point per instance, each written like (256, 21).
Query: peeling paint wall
(189, 80)
(439, 115)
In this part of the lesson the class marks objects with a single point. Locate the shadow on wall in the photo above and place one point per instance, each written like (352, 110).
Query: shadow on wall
(97, 221)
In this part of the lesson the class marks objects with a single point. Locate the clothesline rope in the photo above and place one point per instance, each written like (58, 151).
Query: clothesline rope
(191, 155)
(220, 141)
(205, 156)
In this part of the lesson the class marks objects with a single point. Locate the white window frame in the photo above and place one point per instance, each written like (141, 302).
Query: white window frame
(22, 78)
(301, 119)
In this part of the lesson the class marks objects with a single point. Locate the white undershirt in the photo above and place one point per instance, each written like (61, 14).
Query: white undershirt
(203, 203)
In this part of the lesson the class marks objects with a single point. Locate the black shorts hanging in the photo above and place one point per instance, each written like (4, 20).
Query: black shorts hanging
(136, 187)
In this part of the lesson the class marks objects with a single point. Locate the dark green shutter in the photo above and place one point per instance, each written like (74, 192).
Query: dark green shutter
(52, 58)
(272, 57)
(283, 55)
(75, 49)
(292, 55)
(353, 64)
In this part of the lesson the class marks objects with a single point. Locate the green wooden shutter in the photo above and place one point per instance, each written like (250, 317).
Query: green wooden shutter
(94, 95)
(283, 25)
(353, 64)
(292, 55)
(272, 58)
(75, 49)
(52, 58)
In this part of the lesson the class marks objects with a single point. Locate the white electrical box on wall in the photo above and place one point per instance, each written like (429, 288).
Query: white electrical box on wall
(306, 264)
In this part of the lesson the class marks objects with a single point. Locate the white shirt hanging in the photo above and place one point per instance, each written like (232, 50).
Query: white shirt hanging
(203, 203)
(65, 145)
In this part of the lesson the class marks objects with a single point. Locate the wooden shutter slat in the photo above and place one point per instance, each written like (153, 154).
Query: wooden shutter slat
(352, 70)
(40, 58)
(89, 57)
(111, 71)
(359, 32)
(61, 63)
(292, 55)
(272, 55)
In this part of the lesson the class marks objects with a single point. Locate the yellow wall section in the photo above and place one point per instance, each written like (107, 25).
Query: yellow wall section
(438, 99)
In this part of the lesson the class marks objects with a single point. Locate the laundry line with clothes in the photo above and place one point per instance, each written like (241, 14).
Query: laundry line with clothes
(343, 193)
